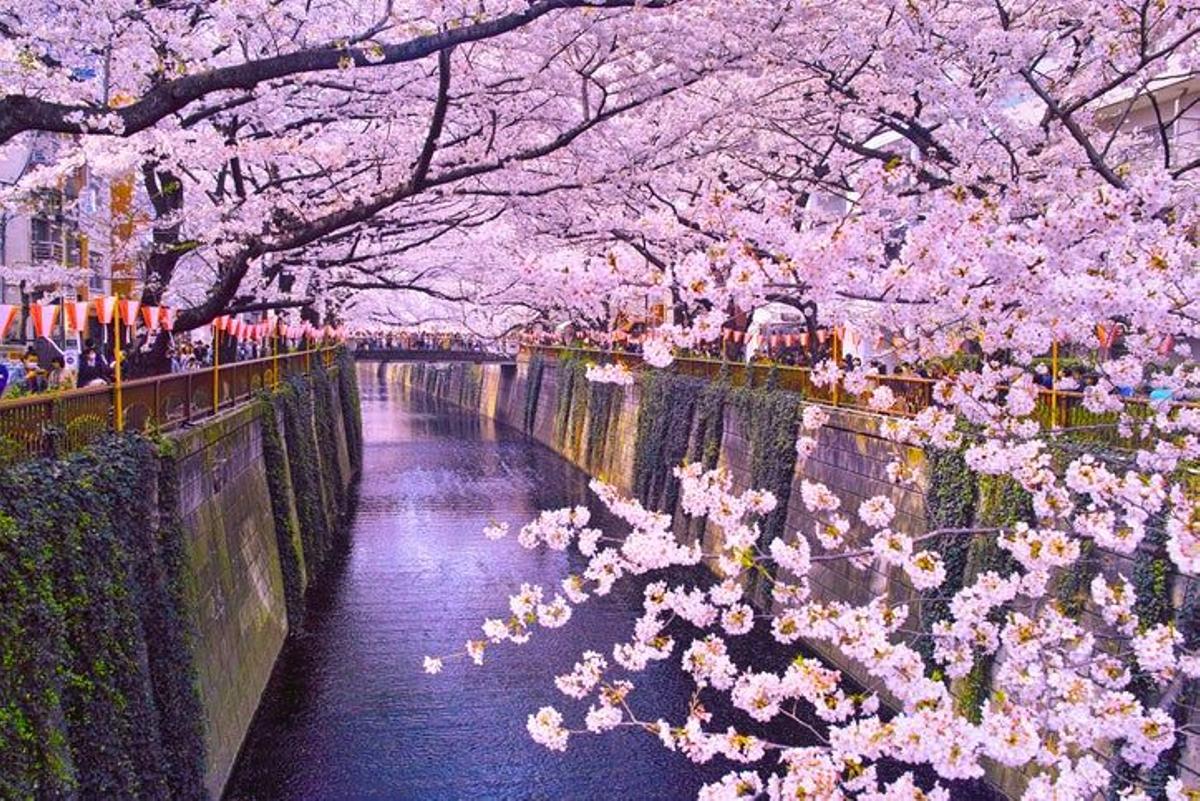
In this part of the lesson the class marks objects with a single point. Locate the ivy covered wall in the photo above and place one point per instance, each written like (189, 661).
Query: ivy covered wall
(96, 691)
(99, 690)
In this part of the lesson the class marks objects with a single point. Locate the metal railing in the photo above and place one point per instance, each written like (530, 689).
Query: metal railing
(1055, 409)
(54, 423)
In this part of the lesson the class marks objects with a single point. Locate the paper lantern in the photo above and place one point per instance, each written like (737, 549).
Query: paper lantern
(8, 313)
(1166, 346)
(44, 315)
(166, 318)
(129, 312)
(151, 316)
(104, 309)
(77, 315)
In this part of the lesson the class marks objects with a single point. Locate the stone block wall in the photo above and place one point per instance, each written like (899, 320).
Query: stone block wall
(236, 586)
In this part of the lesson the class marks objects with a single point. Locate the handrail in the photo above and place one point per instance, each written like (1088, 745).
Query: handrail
(53, 423)
(913, 393)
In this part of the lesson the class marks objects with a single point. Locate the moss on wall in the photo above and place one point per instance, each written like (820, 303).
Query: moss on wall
(304, 465)
(668, 403)
(351, 410)
(950, 501)
(287, 526)
(533, 389)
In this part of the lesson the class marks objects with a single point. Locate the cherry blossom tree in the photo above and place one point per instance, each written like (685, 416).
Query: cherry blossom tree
(986, 177)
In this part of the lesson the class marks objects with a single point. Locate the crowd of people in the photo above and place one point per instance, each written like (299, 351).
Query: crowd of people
(36, 372)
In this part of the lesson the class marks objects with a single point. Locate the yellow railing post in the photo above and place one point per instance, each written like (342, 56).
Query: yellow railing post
(216, 367)
(1054, 384)
(119, 417)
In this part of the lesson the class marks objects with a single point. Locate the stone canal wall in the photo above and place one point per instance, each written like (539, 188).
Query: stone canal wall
(148, 585)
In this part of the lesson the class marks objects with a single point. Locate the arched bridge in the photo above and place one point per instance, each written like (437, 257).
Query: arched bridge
(400, 355)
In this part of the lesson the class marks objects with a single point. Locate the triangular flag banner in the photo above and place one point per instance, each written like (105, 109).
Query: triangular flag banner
(104, 309)
(77, 315)
(150, 316)
(8, 313)
(129, 310)
(44, 315)
(166, 318)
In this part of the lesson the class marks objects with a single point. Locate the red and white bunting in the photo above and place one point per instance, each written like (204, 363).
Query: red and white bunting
(8, 313)
(166, 318)
(129, 312)
(44, 315)
(1107, 335)
(150, 315)
(77, 315)
(104, 309)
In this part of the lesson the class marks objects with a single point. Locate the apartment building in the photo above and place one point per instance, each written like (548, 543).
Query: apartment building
(48, 246)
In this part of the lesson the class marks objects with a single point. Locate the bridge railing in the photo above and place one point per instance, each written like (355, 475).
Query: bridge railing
(430, 355)
(1061, 409)
(51, 423)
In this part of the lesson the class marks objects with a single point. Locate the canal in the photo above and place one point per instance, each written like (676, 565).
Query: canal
(350, 714)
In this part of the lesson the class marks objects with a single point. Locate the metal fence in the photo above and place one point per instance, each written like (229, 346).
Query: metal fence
(1059, 409)
(53, 423)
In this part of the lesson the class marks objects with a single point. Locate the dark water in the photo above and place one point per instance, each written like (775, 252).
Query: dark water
(350, 713)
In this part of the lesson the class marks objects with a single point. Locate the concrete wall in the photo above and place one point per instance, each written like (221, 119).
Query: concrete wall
(235, 585)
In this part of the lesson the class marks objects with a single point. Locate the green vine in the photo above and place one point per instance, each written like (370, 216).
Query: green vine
(351, 410)
(287, 527)
(304, 464)
(603, 403)
(771, 419)
(1002, 503)
(97, 698)
(668, 402)
(949, 504)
